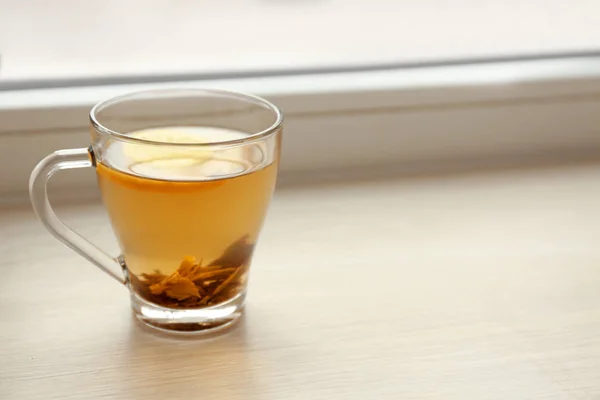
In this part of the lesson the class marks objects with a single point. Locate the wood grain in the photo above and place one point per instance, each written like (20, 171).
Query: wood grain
(465, 287)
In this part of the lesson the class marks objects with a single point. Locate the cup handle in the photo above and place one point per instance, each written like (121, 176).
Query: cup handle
(59, 160)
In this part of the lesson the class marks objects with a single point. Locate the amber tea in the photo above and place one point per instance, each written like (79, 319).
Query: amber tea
(186, 200)
(186, 218)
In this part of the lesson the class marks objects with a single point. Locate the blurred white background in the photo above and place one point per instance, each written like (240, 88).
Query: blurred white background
(65, 39)
(525, 79)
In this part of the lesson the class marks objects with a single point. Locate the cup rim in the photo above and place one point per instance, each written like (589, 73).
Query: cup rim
(275, 126)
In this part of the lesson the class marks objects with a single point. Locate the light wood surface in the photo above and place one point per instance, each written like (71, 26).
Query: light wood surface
(478, 286)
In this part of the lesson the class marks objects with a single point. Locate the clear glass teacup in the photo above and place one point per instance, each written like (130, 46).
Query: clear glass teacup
(186, 177)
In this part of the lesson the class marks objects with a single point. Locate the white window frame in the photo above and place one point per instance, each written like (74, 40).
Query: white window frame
(405, 119)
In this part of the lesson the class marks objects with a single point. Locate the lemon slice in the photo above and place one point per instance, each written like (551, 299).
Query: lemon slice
(143, 153)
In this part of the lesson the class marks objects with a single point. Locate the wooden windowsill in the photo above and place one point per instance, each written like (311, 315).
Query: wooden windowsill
(465, 286)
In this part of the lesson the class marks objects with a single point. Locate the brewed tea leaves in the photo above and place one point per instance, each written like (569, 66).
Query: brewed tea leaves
(193, 284)
(236, 254)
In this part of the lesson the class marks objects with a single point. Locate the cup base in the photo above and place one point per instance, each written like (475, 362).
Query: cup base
(190, 321)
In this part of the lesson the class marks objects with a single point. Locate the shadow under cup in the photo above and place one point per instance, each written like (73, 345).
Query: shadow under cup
(186, 177)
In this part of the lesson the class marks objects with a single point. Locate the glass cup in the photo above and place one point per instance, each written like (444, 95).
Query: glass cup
(186, 177)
